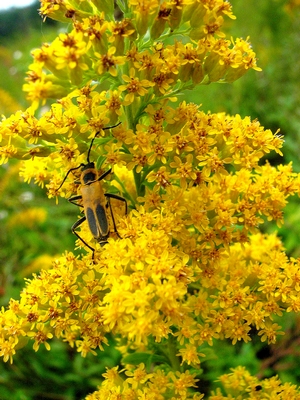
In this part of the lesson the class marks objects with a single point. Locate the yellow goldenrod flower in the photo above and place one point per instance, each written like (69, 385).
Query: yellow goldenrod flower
(108, 62)
(122, 30)
(144, 11)
(134, 87)
(40, 336)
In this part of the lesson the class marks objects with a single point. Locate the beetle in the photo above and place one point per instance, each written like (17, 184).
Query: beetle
(95, 201)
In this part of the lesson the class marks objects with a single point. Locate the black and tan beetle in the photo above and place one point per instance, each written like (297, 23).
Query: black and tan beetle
(94, 200)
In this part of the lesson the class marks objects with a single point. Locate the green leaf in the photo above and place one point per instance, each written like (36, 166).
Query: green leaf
(146, 358)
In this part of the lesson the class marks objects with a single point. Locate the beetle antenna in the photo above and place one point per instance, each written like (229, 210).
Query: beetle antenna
(70, 170)
(96, 134)
(90, 148)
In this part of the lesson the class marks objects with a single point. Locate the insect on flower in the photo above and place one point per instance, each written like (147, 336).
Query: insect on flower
(95, 202)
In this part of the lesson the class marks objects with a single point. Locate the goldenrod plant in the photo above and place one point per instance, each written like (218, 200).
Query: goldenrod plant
(190, 266)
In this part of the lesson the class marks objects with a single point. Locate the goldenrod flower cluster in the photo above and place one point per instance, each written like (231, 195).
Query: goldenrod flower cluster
(138, 384)
(240, 385)
(189, 265)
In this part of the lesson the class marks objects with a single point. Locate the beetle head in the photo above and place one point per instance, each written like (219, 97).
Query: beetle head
(89, 173)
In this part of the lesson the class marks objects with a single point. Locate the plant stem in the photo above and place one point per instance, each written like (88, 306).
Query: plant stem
(172, 350)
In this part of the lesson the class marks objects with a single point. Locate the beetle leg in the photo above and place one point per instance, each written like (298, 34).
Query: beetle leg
(75, 226)
(114, 196)
(73, 200)
(112, 216)
(104, 175)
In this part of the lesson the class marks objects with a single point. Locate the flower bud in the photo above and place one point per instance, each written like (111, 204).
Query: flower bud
(160, 22)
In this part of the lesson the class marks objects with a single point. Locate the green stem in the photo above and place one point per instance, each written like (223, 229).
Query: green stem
(129, 117)
(124, 191)
(172, 351)
(137, 181)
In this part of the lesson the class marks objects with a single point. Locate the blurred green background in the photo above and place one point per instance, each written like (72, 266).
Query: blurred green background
(28, 244)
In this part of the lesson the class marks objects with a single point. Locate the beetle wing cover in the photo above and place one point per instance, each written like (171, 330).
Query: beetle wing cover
(97, 222)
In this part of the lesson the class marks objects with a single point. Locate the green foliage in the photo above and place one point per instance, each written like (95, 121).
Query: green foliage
(20, 32)
(61, 374)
